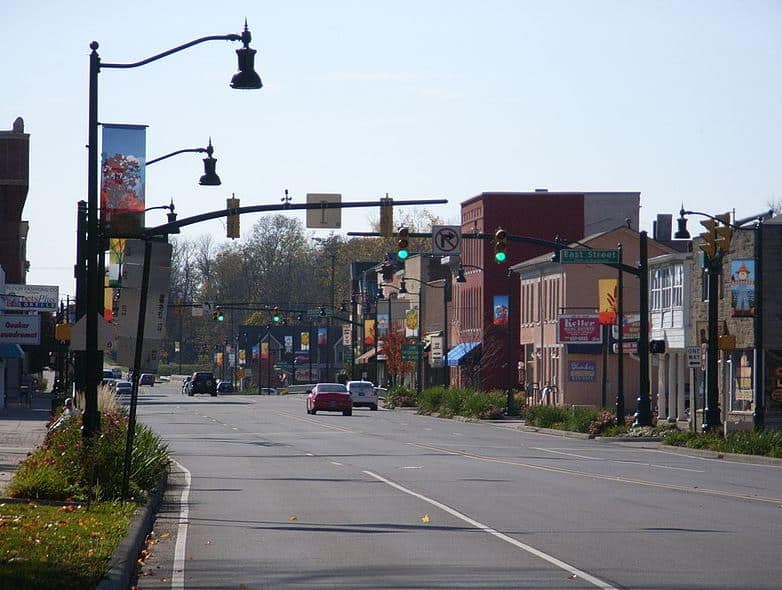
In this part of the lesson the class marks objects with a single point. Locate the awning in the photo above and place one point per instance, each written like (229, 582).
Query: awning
(363, 359)
(11, 351)
(458, 352)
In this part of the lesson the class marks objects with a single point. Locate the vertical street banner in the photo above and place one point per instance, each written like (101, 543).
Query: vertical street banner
(369, 332)
(116, 258)
(242, 357)
(264, 351)
(742, 288)
(382, 324)
(608, 291)
(123, 164)
(500, 310)
(289, 344)
(322, 337)
(255, 351)
(411, 323)
(304, 338)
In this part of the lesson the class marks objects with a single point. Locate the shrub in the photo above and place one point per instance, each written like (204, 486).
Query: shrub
(63, 467)
(484, 406)
(453, 401)
(400, 396)
(431, 399)
(604, 421)
(545, 416)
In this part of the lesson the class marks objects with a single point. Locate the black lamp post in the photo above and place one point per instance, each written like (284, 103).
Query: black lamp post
(246, 78)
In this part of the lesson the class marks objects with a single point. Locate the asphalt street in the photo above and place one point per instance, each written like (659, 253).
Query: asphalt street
(266, 496)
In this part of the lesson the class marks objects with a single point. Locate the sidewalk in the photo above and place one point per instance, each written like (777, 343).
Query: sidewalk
(22, 429)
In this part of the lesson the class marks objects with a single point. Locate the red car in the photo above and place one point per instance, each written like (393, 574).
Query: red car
(329, 397)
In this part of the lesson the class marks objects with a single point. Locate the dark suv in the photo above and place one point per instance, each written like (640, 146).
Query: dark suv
(202, 382)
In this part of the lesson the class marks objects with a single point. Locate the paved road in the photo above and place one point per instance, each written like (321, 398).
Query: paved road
(389, 499)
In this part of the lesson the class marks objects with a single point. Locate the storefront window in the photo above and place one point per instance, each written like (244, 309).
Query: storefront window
(742, 380)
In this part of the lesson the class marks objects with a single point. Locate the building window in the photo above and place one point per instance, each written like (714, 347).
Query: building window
(678, 285)
(742, 380)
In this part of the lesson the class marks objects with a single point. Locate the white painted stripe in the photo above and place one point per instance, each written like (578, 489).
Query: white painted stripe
(335, 463)
(502, 536)
(178, 573)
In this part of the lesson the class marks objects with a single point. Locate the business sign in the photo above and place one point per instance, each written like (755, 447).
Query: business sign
(585, 256)
(31, 298)
(347, 335)
(20, 329)
(582, 371)
(579, 329)
(436, 351)
(631, 327)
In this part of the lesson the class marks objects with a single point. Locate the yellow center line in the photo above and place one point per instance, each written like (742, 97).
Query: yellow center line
(616, 478)
(313, 421)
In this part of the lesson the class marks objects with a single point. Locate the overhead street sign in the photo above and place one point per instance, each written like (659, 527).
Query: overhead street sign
(446, 239)
(324, 217)
(586, 256)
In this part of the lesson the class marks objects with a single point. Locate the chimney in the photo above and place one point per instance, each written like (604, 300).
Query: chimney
(663, 227)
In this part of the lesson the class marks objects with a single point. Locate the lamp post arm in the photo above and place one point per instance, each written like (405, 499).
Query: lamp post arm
(176, 153)
(230, 37)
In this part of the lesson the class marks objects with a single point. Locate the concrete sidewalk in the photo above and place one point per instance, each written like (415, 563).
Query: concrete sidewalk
(22, 429)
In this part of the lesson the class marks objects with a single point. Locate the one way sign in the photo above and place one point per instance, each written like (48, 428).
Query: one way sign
(446, 239)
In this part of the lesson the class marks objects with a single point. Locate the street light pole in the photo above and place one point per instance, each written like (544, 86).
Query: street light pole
(246, 78)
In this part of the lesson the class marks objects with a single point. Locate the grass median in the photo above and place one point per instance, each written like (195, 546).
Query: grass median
(67, 520)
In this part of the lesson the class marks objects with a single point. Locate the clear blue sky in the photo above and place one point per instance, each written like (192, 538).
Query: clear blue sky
(680, 100)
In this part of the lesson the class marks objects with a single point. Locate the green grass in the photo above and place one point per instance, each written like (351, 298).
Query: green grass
(59, 547)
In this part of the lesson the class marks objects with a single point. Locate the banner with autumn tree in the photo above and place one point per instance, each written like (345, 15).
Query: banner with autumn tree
(123, 164)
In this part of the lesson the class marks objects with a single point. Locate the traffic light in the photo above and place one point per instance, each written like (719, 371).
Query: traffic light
(403, 243)
(724, 232)
(709, 246)
(322, 311)
(218, 315)
(276, 316)
(387, 217)
(500, 246)
(232, 220)
(657, 346)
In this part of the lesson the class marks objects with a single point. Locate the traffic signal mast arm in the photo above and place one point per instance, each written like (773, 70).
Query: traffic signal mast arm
(552, 245)
(172, 227)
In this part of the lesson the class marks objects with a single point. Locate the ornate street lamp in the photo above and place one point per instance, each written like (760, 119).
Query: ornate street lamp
(91, 292)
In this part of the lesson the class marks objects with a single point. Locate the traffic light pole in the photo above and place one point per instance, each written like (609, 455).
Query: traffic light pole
(711, 408)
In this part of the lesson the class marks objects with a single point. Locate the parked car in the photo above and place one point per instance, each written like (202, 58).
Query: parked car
(107, 374)
(268, 391)
(329, 397)
(117, 373)
(202, 382)
(225, 387)
(147, 379)
(186, 384)
(363, 394)
(123, 387)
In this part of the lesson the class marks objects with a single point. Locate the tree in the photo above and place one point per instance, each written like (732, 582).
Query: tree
(392, 348)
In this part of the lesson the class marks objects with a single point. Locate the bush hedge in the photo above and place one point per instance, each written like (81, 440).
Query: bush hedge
(766, 443)
(63, 467)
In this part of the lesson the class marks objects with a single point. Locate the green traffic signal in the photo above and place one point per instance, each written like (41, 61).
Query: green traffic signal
(276, 317)
(500, 256)
(500, 246)
(218, 314)
(403, 243)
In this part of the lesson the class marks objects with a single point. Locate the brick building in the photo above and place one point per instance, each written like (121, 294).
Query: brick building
(477, 339)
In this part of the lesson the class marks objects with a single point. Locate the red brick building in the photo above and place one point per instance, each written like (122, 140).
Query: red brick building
(485, 307)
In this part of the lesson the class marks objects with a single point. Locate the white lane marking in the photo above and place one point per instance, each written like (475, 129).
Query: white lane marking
(638, 463)
(503, 537)
(309, 454)
(178, 575)
(234, 428)
(412, 467)
(335, 463)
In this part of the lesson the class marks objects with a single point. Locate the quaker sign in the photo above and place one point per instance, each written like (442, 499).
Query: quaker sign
(31, 298)
(20, 329)
(579, 329)
(582, 371)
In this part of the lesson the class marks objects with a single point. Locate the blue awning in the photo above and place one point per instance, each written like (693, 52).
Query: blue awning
(11, 351)
(458, 352)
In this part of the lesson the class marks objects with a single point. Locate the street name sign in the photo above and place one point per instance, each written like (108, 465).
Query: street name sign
(585, 256)
(411, 352)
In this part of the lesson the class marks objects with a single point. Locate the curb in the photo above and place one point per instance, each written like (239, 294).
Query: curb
(734, 457)
(122, 565)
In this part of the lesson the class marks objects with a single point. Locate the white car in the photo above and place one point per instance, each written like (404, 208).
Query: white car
(363, 394)
(123, 387)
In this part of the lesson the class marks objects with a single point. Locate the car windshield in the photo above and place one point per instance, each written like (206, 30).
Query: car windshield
(332, 388)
